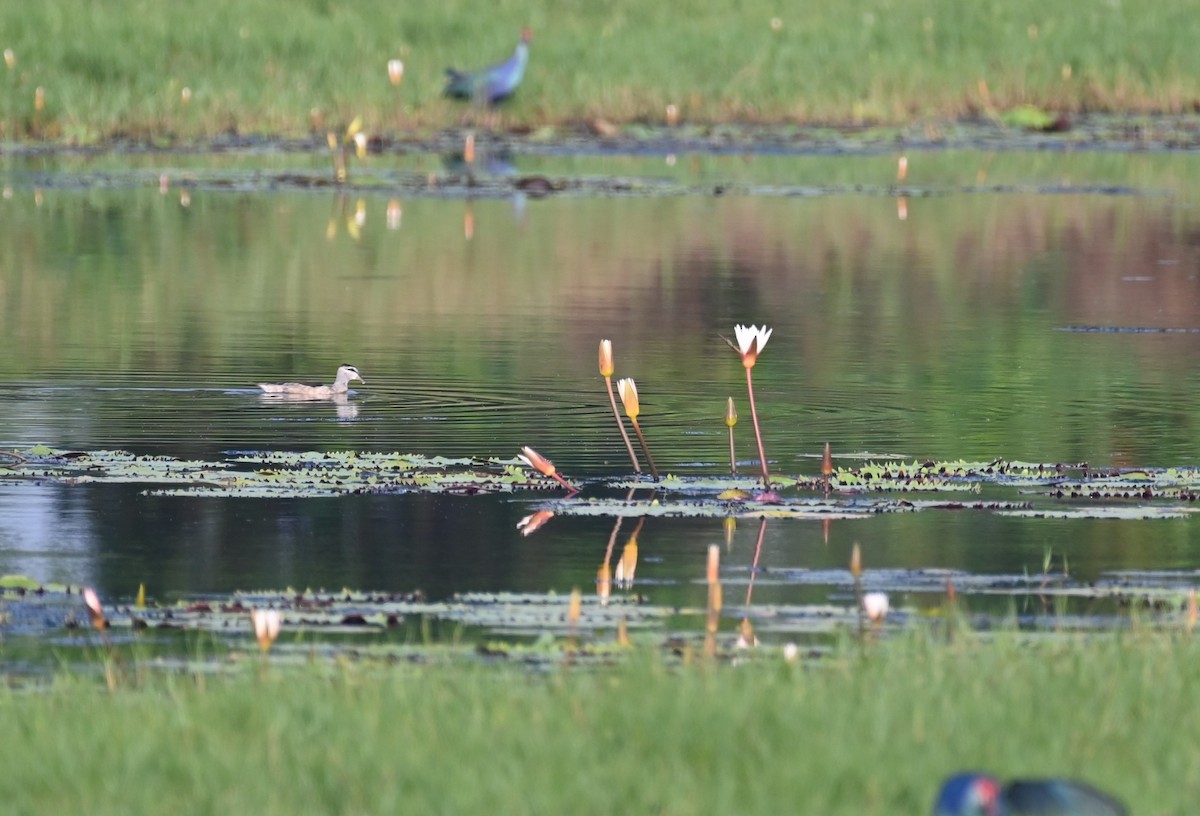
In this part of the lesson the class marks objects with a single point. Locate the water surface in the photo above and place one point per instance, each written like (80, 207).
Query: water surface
(140, 318)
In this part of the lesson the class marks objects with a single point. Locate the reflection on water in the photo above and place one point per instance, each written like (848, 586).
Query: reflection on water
(133, 322)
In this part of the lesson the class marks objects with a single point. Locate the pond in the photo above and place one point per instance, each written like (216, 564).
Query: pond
(1032, 306)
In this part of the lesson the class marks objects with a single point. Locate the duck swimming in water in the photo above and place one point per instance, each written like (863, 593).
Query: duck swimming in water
(341, 384)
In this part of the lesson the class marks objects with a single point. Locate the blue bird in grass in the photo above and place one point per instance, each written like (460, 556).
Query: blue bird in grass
(971, 794)
(494, 83)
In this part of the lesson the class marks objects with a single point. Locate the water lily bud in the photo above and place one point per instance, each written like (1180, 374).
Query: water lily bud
(395, 70)
(606, 358)
(627, 388)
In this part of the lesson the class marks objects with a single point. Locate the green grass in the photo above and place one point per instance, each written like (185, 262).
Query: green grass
(846, 735)
(281, 67)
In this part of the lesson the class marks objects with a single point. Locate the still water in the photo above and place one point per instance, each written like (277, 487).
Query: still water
(955, 316)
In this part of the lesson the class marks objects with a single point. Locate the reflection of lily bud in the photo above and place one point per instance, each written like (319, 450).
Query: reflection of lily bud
(746, 637)
(534, 521)
(875, 604)
(627, 566)
(266, 626)
(395, 71)
(394, 214)
(1192, 611)
(575, 610)
(603, 582)
(856, 561)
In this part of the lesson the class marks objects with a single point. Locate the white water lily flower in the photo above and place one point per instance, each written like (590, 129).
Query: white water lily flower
(266, 626)
(875, 604)
(750, 341)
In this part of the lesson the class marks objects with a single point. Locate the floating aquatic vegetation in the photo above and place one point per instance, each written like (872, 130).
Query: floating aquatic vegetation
(1042, 490)
(280, 474)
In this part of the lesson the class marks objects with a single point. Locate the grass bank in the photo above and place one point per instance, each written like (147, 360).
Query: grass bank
(849, 734)
(281, 67)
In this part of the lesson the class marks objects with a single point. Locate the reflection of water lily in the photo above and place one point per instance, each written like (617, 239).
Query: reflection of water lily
(629, 398)
(533, 521)
(750, 341)
(627, 566)
(543, 466)
(730, 421)
(266, 626)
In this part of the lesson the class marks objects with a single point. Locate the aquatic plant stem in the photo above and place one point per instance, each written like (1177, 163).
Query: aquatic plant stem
(637, 468)
(762, 457)
(645, 448)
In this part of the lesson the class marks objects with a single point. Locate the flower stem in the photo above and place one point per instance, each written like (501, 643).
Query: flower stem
(570, 487)
(645, 449)
(762, 457)
(621, 427)
(732, 454)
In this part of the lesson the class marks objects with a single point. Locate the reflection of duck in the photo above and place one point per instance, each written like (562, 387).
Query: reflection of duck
(341, 384)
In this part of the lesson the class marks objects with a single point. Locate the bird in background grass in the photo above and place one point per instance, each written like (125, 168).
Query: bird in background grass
(493, 84)
(972, 794)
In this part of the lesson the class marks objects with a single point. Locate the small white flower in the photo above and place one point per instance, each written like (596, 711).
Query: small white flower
(395, 69)
(266, 626)
(875, 604)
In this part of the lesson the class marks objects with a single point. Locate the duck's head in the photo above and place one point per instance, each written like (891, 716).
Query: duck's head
(348, 373)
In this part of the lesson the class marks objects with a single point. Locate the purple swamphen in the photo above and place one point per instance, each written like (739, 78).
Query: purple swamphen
(971, 794)
(494, 83)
